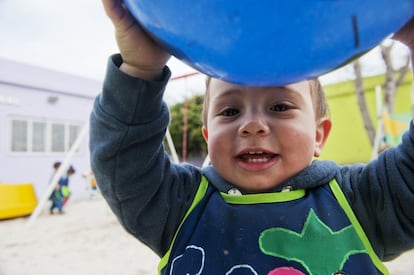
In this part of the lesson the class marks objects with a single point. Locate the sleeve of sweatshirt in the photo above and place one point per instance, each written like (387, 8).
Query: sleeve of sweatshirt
(382, 196)
(146, 191)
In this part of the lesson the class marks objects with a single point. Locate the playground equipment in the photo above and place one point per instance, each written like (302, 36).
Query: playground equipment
(16, 200)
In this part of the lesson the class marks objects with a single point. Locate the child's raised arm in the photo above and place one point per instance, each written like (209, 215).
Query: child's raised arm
(147, 192)
(142, 57)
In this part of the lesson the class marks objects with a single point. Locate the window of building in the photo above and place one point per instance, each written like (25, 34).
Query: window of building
(58, 137)
(74, 131)
(34, 136)
(39, 137)
(19, 136)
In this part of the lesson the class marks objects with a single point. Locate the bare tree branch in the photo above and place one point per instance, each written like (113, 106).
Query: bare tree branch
(403, 71)
(389, 84)
(360, 93)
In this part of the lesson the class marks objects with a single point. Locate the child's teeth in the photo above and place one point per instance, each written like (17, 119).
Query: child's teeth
(253, 153)
(258, 160)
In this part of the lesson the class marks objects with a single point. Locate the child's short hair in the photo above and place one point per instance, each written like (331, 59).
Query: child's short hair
(56, 165)
(320, 103)
(318, 99)
(71, 170)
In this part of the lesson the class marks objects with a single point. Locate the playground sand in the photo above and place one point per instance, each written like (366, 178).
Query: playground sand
(88, 240)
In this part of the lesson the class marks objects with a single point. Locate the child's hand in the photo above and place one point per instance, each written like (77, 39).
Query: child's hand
(406, 34)
(142, 57)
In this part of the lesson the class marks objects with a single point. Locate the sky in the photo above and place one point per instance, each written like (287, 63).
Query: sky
(71, 36)
(76, 37)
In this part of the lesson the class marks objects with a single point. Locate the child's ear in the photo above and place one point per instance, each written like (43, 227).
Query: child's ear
(204, 132)
(323, 128)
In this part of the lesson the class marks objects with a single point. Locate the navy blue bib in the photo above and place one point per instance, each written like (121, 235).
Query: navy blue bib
(296, 232)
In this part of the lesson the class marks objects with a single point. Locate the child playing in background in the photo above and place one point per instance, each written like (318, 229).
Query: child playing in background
(55, 197)
(64, 184)
(264, 206)
(91, 184)
(61, 194)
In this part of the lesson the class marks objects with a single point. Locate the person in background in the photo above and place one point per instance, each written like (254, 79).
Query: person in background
(53, 196)
(64, 184)
(61, 193)
(91, 184)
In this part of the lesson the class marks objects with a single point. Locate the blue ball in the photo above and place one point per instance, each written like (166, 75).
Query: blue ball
(267, 43)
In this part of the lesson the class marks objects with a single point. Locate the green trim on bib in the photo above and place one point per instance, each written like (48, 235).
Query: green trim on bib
(274, 198)
(340, 197)
(264, 197)
(198, 197)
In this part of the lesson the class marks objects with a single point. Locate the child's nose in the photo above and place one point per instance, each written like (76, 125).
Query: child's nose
(254, 126)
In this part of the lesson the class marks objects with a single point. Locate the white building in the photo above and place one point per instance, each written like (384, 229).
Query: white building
(41, 114)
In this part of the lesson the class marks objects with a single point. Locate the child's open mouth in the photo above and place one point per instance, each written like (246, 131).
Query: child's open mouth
(256, 157)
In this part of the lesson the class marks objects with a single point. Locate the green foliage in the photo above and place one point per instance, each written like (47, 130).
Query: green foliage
(196, 145)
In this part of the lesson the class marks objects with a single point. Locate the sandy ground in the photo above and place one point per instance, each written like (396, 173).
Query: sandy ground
(87, 240)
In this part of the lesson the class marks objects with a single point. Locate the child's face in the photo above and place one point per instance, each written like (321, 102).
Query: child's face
(260, 136)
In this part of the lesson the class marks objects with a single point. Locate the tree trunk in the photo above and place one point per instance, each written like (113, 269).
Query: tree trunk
(391, 83)
(185, 131)
(363, 108)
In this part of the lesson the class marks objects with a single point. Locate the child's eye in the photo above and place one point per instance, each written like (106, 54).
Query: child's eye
(229, 112)
(280, 108)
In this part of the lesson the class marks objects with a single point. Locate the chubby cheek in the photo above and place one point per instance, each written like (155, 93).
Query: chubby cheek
(301, 142)
(215, 145)
(219, 144)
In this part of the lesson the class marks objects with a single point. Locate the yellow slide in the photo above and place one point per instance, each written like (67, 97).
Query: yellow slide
(16, 200)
